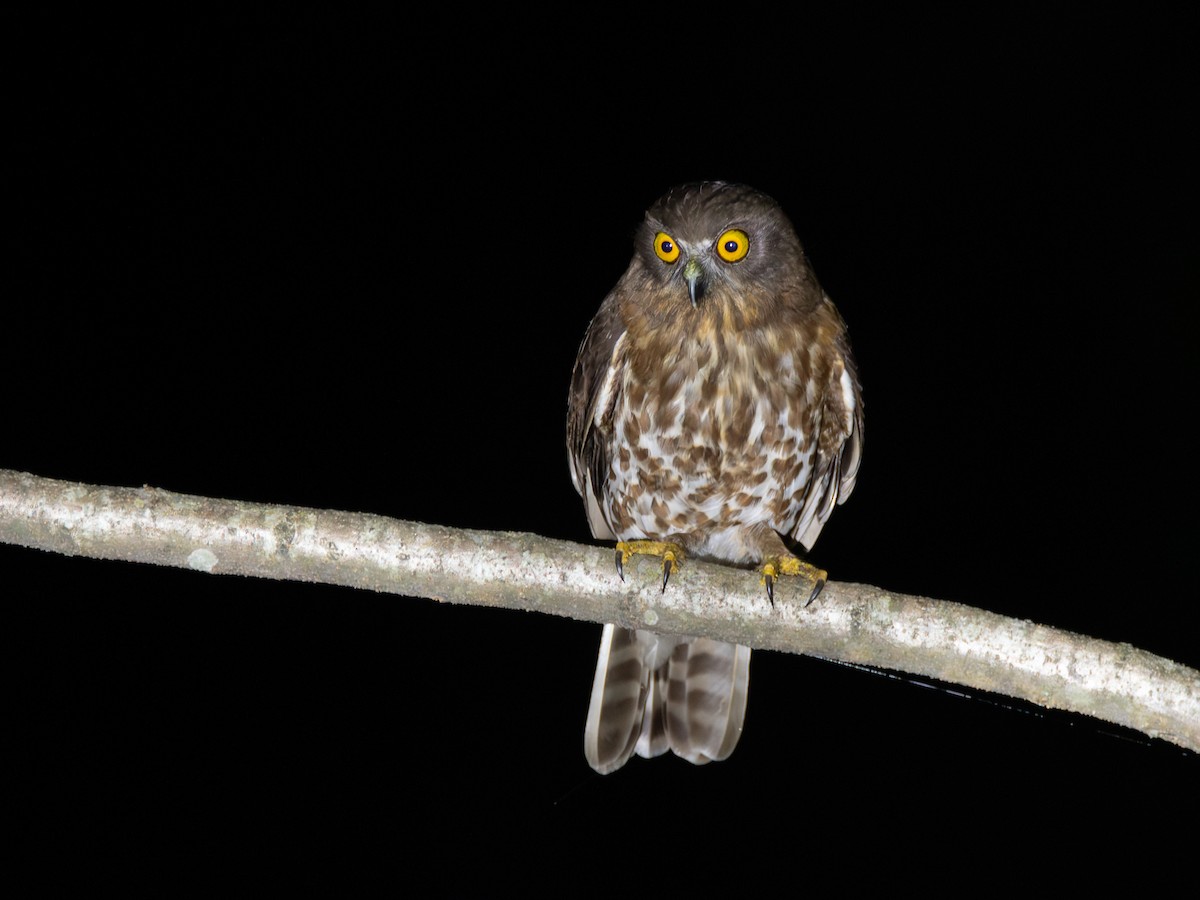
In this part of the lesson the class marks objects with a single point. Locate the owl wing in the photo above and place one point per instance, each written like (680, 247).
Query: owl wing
(839, 447)
(595, 384)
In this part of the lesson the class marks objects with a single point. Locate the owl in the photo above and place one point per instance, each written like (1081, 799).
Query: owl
(714, 413)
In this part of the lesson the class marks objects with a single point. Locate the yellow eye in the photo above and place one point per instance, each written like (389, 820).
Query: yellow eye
(665, 247)
(733, 245)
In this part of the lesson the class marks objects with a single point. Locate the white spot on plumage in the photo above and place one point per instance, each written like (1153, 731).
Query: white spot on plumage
(604, 397)
(848, 402)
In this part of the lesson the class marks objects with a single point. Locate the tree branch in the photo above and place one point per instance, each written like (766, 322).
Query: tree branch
(849, 622)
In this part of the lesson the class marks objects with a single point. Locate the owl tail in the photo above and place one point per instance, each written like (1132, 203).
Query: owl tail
(657, 692)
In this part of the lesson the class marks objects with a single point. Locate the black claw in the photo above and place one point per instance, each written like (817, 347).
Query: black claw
(770, 580)
(816, 591)
(666, 574)
(620, 565)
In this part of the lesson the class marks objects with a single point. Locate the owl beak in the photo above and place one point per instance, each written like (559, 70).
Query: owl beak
(693, 272)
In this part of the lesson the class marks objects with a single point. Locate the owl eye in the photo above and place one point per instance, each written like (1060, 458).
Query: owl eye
(665, 247)
(733, 245)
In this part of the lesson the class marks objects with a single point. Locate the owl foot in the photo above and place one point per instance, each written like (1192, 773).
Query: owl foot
(672, 555)
(792, 565)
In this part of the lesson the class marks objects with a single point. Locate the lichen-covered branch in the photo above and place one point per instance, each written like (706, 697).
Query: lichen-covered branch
(849, 622)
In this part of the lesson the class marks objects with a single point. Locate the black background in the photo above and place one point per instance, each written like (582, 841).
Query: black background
(347, 264)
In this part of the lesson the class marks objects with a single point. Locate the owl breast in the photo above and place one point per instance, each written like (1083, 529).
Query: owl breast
(714, 438)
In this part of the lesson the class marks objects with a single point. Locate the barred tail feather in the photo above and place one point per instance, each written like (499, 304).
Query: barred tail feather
(708, 681)
(618, 702)
(654, 692)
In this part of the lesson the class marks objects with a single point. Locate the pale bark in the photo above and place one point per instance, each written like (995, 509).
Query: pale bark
(848, 622)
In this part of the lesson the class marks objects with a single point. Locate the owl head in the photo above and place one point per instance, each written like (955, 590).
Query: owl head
(713, 240)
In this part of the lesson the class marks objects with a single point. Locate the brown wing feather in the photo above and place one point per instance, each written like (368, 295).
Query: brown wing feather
(587, 445)
(839, 448)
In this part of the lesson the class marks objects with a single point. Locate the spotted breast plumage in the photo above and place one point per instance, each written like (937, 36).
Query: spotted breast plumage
(715, 412)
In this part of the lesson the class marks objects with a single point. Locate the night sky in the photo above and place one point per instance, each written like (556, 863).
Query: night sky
(348, 265)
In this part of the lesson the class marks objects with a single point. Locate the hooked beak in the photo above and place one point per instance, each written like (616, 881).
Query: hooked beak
(693, 272)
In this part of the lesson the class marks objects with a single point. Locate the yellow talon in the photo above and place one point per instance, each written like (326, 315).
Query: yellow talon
(672, 555)
(792, 565)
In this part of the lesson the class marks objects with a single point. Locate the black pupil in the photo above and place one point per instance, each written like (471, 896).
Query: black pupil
(731, 246)
(667, 247)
